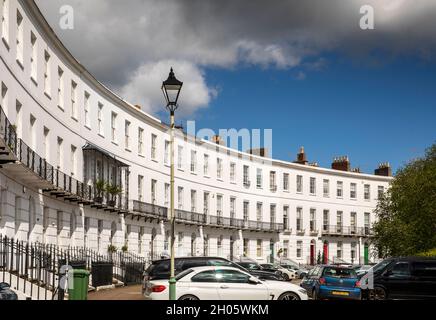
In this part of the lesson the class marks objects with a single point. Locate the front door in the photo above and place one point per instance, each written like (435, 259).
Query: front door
(366, 254)
(326, 253)
(312, 254)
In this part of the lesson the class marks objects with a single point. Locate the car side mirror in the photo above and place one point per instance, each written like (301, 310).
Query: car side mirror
(4, 285)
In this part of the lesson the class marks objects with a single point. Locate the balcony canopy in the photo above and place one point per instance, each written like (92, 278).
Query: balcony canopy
(100, 153)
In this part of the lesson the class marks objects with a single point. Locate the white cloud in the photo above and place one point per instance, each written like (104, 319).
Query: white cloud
(144, 87)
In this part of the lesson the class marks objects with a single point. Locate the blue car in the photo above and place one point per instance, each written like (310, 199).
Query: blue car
(332, 282)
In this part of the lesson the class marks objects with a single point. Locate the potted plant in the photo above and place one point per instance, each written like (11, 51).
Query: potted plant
(100, 187)
(113, 191)
(111, 248)
(125, 248)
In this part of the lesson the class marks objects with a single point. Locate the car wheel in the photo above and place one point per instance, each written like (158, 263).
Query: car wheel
(289, 296)
(378, 293)
(286, 277)
(188, 297)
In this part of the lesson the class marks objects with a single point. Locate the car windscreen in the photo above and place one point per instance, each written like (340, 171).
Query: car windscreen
(336, 272)
(381, 265)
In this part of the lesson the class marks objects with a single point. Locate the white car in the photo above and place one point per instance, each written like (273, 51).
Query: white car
(223, 283)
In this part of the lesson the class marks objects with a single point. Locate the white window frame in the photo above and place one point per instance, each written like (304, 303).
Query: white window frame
(87, 96)
(141, 141)
(219, 168)
(114, 116)
(326, 188)
(206, 164)
(20, 38)
(34, 57)
(312, 186)
(100, 119)
(285, 181)
(193, 166)
(5, 21)
(127, 134)
(47, 73)
(153, 146)
(339, 189)
(232, 172)
(73, 100)
(259, 178)
(299, 184)
(353, 190)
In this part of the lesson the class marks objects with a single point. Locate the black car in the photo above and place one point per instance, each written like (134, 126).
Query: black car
(6, 293)
(160, 269)
(402, 278)
(267, 272)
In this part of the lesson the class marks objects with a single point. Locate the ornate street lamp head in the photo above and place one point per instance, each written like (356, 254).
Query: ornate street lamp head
(171, 89)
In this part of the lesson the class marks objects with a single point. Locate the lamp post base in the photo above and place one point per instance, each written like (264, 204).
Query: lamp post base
(172, 288)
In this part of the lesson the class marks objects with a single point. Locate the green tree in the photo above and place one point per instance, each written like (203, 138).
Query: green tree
(407, 212)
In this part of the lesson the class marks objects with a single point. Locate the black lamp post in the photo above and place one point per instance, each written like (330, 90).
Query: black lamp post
(171, 89)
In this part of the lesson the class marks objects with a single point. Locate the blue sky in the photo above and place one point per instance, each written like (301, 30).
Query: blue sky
(370, 112)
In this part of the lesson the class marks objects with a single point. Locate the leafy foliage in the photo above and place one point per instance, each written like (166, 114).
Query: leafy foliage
(407, 213)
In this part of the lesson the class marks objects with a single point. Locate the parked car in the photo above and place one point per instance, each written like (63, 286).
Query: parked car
(288, 274)
(362, 269)
(300, 272)
(160, 269)
(403, 278)
(6, 293)
(266, 273)
(223, 283)
(332, 282)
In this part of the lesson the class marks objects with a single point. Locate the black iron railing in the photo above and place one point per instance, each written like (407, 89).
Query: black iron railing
(339, 230)
(36, 269)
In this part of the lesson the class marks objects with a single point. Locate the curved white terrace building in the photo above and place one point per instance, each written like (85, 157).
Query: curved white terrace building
(62, 133)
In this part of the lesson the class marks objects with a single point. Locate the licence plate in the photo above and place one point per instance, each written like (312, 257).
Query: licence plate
(340, 293)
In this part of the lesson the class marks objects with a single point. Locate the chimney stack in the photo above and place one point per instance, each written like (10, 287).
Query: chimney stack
(384, 169)
(301, 157)
(261, 152)
(341, 164)
(137, 106)
(217, 140)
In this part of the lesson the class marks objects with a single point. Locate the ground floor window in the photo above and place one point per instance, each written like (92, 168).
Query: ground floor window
(259, 248)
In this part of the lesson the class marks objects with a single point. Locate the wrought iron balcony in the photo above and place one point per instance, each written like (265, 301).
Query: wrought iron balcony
(151, 209)
(27, 166)
(346, 231)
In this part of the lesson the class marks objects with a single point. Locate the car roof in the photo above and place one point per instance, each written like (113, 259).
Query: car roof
(213, 268)
(190, 258)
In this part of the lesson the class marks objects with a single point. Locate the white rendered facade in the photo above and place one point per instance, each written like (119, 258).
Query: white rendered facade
(58, 108)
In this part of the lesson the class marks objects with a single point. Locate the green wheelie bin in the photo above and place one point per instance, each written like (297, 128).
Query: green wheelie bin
(80, 288)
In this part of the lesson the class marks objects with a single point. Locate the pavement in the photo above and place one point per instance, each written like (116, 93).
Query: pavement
(122, 293)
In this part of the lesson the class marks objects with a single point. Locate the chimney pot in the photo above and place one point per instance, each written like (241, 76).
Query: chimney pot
(341, 163)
